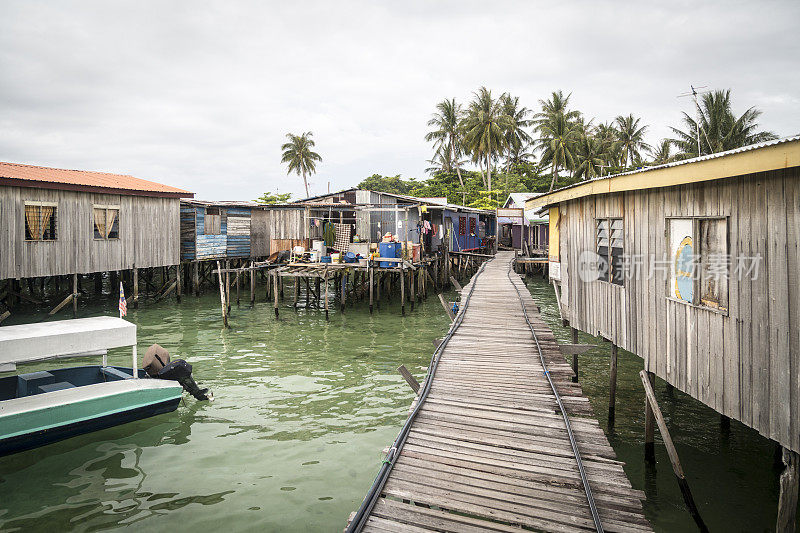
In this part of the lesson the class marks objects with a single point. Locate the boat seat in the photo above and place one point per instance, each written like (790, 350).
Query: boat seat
(28, 384)
(61, 385)
(114, 373)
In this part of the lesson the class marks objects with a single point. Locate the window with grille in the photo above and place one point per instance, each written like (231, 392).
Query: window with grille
(105, 219)
(40, 221)
(462, 225)
(213, 221)
(610, 250)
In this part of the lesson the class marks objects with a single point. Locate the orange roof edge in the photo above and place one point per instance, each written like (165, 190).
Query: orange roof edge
(17, 174)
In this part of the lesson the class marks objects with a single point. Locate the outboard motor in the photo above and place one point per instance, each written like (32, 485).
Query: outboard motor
(157, 365)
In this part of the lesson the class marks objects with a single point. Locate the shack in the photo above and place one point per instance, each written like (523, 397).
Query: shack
(56, 222)
(694, 267)
(520, 228)
(215, 230)
(373, 214)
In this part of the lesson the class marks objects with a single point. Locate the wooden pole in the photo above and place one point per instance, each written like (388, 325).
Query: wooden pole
(411, 289)
(649, 426)
(447, 308)
(222, 296)
(326, 294)
(612, 385)
(371, 288)
(135, 288)
(252, 284)
(296, 292)
(228, 285)
(178, 281)
(402, 291)
(413, 383)
(673, 453)
(787, 500)
(275, 291)
(378, 290)
(196, 277)
(75, 296)
(575, 356)
(238, 286)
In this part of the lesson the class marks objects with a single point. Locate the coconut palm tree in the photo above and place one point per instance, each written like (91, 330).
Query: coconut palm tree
(720, 129)
(447, 137)
(558, 130)
(302, 160)
(662, 154)
(484, 127)
(557, 138)
(631, 138)
(589, 156)
(516, 136)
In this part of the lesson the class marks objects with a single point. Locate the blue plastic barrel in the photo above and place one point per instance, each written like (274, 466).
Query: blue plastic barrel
(387, 249)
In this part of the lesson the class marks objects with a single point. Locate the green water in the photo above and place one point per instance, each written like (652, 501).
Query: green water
(303, 408)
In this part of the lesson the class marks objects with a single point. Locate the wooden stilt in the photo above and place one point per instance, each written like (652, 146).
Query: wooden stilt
(75, 295)
(575, 356)
(413, 383)
(343, 282)
(223, 303)
(649, 426)
(325, 288)
(673, 453)
(612, 385)
(402, 291)
(196, 277)
(252, 285)
(135, 288)
(275, 291)
(238, 286)
(296, 292)
(228, 285)
(371, 287)
(178, 281)
(787, 499)
(378, 289)
(411, 286)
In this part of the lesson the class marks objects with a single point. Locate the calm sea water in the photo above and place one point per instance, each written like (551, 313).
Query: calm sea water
(303, 408)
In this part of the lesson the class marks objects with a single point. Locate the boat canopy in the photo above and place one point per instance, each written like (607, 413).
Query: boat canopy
(82, 336)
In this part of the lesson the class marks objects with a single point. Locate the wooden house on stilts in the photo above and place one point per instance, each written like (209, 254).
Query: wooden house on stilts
(695, 267)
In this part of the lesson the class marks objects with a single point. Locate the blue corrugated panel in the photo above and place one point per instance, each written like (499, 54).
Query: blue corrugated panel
(238, 246)
(212, 246)
(238, 211)
(201, 221)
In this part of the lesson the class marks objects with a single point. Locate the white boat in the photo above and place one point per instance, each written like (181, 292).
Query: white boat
(40, 407)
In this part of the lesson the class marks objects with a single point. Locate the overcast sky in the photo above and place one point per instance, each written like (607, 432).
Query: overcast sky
(199, 95)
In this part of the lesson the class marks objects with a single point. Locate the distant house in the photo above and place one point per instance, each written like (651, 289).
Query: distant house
(215, 230)
(373, 214)
(516, 224)
(59, 222)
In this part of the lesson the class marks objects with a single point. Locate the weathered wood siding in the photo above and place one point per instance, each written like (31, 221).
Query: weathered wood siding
(279, 223)
(238, 231)
(148, 228)
(745, 362)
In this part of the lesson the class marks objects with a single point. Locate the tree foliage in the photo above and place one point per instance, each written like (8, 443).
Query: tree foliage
(299, 155)
(277, 198)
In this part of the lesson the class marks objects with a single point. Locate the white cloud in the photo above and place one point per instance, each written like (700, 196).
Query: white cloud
(200, 95)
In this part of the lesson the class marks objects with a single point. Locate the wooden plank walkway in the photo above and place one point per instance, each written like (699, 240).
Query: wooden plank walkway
(488, 450)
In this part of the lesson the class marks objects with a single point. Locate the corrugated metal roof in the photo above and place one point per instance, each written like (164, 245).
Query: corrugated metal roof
(682, 162)
(57, 178)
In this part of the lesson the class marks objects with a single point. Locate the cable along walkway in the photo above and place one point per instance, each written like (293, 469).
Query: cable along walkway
(487, 449)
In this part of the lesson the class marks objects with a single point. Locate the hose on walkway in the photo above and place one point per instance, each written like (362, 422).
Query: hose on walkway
(589, 498)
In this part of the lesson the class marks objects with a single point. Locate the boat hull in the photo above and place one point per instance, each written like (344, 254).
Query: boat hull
(40, 419)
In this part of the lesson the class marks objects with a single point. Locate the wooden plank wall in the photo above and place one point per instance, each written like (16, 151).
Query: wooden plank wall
(188, 232)
(744, 363)
(149, 234)
(238, 230)
(275, 224)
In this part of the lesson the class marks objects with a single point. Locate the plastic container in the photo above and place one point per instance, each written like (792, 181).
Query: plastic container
(350, 257)
(389, 249)
(325, 259)
(335, 258)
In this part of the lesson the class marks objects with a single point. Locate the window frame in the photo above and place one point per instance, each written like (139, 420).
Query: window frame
(107, 208)
(207, 216)
(37, 203)
(609, 274)
(697, 252)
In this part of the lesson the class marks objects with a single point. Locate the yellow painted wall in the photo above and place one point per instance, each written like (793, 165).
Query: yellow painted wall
(554, 223)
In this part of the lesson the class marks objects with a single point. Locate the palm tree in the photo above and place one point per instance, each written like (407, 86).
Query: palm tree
(662, 153)
(589, 152)
(516, 137)
(302, 160)
(720, 129)
(557, 139)
(558, 131)
(484, 127)
(447, 135)
(631, 137)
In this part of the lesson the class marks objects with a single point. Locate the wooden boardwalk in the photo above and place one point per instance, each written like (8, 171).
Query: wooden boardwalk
(488, 449)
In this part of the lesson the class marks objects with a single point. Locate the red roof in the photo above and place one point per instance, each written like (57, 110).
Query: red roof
(57, 178)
